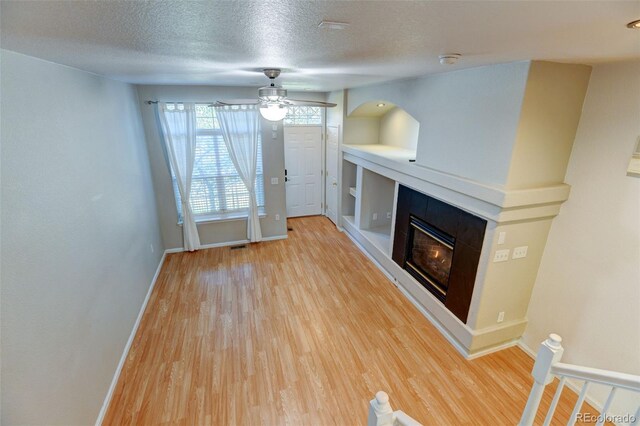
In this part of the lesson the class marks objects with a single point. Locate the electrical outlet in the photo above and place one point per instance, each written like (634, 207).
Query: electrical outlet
(375, 216)
(274, 181)
(274, 127)
(501, 255)
(500, 316)
(388, 215)
(277, 216)
(501, 237)
(520, 252)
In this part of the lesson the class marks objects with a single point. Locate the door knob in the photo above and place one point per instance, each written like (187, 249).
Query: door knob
(335, 184)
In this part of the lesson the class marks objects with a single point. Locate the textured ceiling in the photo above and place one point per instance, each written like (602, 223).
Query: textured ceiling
(224, 43)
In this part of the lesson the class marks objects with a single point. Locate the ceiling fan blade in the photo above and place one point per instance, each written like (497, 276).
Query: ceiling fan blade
(237, 102)
(300, 102)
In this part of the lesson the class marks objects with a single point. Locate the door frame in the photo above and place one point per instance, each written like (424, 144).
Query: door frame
(323, 158)
(324, 162)
(338, 207)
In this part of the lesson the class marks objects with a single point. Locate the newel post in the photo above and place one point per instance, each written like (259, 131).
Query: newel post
(380, 412)
(550, 352)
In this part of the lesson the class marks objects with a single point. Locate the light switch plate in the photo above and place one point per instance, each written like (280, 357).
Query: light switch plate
(501, 237)
(520, 252)
(274, 181)
(501, 255)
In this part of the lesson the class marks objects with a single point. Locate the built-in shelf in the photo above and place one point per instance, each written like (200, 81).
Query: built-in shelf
(350, 219)
(378, 151)
(349, 185)
(379, 237)
(369, 206)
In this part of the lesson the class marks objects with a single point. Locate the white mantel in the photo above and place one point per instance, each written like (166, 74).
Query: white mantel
(490, 202)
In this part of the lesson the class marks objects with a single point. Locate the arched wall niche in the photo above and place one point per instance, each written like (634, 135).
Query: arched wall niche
(382, 122)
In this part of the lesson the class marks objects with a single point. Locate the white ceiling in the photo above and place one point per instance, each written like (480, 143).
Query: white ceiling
(224, 43)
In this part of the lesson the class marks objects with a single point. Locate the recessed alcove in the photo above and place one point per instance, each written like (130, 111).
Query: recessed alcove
(349, 180)
(377, 196)
(384, 123)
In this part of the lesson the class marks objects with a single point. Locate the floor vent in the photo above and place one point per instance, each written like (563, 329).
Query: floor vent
(238, 247)
(289, 229)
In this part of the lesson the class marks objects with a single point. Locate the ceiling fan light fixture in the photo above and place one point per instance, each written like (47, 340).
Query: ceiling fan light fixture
(272, 94)
(380, 105)
(273, 111)
(272, 100)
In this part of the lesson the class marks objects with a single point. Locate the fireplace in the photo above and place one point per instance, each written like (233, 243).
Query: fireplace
(429, 256)
(439, 246)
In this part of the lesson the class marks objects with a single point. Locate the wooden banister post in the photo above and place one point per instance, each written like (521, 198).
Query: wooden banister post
(549, 353)
(380, 412)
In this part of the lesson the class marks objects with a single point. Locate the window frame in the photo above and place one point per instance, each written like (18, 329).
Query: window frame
(288, 124)
(219, 216)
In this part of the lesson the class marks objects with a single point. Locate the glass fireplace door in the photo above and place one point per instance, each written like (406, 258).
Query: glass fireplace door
(429, 257)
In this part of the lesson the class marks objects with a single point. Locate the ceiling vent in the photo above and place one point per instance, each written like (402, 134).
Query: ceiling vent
(449, 58)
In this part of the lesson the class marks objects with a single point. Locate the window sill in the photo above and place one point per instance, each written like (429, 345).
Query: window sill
(225, 217)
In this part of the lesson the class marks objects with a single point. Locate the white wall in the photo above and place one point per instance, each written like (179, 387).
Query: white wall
(397, 128)
(468, 118)
(79, 220)
(588, 285)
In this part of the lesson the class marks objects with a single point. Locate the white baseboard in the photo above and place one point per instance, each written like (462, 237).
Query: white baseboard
(371, 258)
(463, 351)
(493, 349)
(526, 349)
(227, 244)
(427, 314)
(125, 352)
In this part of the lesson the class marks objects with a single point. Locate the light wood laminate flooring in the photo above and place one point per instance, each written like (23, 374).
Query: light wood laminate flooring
(303, 331)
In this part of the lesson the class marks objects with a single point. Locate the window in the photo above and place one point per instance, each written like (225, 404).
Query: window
(216, 189)
(303, 116)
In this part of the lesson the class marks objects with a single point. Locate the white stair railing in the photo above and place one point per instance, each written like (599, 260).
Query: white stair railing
(548, 366)
(381, 414)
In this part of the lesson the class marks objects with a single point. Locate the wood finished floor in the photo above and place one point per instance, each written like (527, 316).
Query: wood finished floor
(303, 331)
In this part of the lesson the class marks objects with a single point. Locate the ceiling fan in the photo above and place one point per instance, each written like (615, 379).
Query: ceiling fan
(272, 99)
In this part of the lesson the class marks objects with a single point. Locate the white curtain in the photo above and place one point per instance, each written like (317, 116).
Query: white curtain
(241, 129)
(178, 122)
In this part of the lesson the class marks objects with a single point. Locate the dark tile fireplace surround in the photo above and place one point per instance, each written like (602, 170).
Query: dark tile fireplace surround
(439, 245)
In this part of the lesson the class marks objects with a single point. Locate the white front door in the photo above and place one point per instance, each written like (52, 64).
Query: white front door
(331, 180)
(303, 161)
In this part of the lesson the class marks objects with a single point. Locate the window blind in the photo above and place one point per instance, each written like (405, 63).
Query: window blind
(216, 188)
